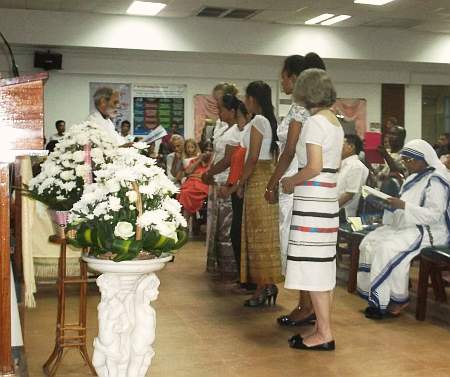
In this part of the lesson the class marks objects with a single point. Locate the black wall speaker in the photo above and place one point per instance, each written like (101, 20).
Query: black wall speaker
(47, 60)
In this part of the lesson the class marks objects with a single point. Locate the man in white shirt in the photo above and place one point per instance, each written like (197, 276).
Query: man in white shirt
(125, 131)
(352, 175)
(60, 128)
(106, 101)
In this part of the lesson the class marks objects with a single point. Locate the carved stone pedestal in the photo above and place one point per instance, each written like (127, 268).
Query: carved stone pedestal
(126, 320)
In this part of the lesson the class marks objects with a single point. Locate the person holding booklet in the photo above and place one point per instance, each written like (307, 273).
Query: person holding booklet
(419, 218)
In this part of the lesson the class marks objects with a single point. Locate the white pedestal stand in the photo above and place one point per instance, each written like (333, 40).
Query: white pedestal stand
(126, 320)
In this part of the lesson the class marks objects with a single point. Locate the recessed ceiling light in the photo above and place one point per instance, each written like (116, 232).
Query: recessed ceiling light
(336, 19)
(145, 8)
(319, 19)
(373, 2)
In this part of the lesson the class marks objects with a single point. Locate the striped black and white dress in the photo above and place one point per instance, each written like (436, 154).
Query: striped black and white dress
(311, 260)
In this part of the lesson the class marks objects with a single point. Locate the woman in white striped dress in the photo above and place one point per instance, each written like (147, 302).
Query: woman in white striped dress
(311, 260)
(288, 135)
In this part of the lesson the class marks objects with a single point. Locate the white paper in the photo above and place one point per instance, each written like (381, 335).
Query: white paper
(366, 191)
(155, 134)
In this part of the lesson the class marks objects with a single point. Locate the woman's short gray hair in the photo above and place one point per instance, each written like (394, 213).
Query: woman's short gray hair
(314, 88)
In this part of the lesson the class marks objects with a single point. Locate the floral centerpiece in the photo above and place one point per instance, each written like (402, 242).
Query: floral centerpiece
(83, 149)
(129, 211)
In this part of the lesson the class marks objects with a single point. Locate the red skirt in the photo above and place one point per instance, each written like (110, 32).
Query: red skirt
(193, 193)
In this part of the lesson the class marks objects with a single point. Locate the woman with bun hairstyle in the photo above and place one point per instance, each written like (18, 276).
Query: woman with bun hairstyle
(220, 254)
(288, 134)
(232, 111)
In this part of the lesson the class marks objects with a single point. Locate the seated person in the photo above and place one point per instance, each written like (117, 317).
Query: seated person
(193, 191)
(174, 160)
(445, 159)
(55, 138)
(125, 131)
(191, 152)
(60, 126)
(394, 172)
(420, 218)
(442, 146)
(352, 175)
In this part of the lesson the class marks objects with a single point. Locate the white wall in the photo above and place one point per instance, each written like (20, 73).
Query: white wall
(217, 36)
(201, 52)
(413, 111)
(67, 91)
(73, 104)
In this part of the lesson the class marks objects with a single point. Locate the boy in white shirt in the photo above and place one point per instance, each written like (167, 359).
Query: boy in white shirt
(352, 175)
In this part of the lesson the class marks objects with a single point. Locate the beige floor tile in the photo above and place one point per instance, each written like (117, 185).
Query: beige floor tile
(204, 331)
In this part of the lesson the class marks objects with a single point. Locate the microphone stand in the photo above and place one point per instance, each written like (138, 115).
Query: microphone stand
(14, 68)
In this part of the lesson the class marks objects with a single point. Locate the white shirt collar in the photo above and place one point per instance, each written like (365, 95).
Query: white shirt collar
(350, 159)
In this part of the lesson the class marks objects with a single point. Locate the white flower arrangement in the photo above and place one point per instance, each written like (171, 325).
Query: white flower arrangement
(129, 209)
(62, 178)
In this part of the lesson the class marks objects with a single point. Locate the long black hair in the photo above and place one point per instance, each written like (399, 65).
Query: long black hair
(262, 93)
(296, 64)
(231, 102)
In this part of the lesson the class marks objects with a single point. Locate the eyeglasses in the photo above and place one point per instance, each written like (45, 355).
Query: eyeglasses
(407, 159)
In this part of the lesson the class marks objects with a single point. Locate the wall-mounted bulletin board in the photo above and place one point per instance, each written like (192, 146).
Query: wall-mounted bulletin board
(155, 105)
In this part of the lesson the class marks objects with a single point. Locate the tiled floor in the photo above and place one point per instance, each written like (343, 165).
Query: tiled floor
(204, 331)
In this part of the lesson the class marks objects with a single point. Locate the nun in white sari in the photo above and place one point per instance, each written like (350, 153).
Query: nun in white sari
(419, 218)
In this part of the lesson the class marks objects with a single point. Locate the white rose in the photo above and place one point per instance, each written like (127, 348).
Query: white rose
(123, 230)
(132, 196)
(167, 229)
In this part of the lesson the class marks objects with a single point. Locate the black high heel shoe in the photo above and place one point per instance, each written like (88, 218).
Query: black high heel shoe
(272, 292)
(259, 300)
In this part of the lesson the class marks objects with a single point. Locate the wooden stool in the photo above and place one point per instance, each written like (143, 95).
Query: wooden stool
(77, 331)
(433, 260)
(353, 240)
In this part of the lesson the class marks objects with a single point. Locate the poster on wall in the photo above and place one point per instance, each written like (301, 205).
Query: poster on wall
(158, 105)
(205, 111)
(124, 90)
(352, 113)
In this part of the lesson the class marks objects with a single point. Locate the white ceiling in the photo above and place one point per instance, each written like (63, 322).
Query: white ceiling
(423, 15)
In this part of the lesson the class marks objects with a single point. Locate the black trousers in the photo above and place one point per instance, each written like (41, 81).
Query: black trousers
(237, 204)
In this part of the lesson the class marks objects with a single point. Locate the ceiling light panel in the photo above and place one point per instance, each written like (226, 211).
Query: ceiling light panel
(145, 8)
(373, 2)
(319, 19)
(336, 19)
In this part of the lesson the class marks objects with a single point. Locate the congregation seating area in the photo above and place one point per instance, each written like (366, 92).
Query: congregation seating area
(430, 272)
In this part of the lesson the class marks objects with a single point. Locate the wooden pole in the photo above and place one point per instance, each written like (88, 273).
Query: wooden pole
(6, 366)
